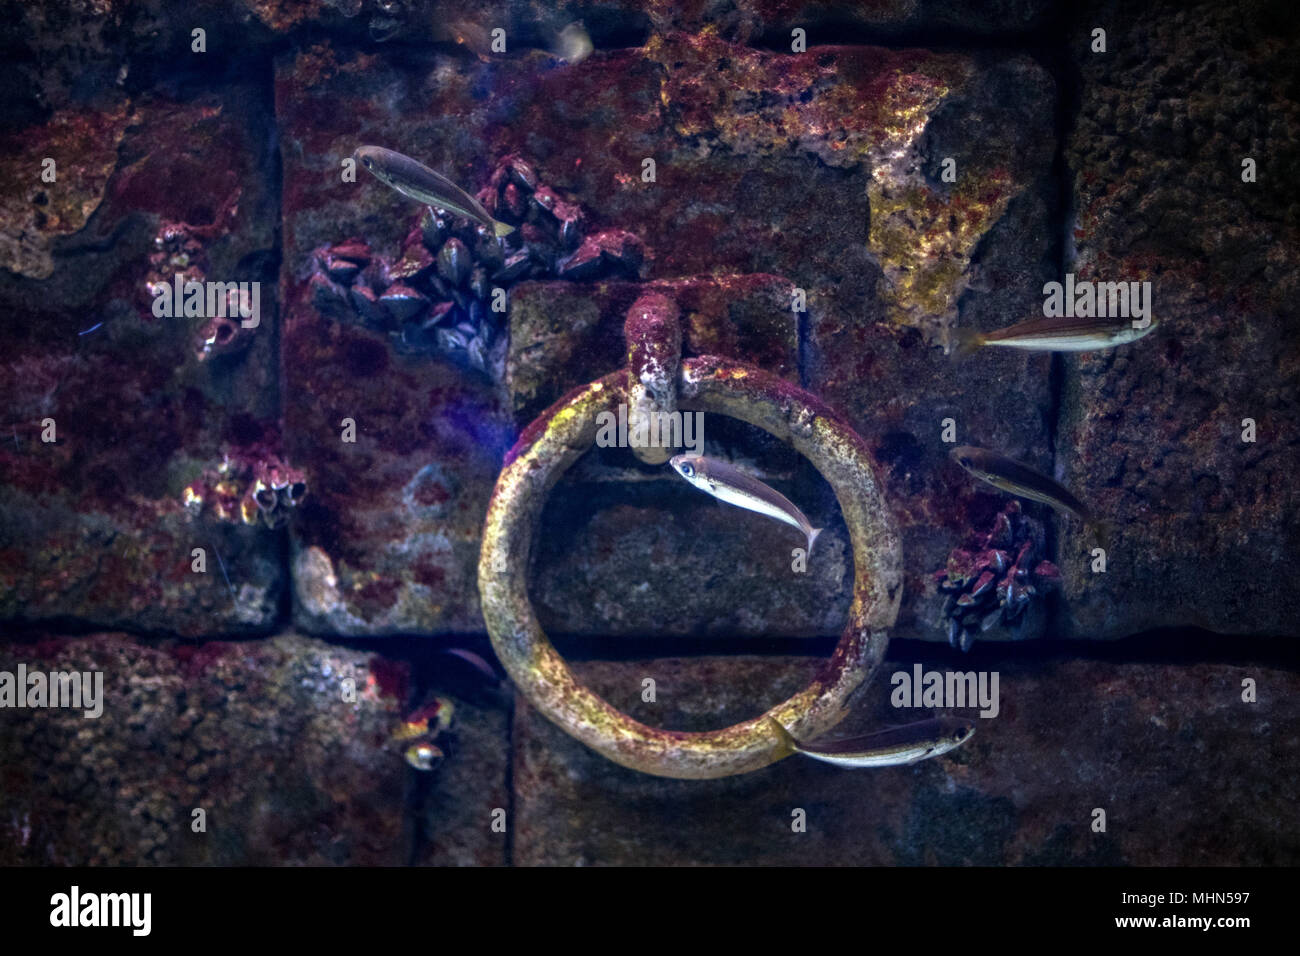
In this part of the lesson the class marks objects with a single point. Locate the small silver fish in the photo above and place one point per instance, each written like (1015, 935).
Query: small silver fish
(1017, 479)
(724, 482)
(897, 746)
(422, 184)
(1057, 334)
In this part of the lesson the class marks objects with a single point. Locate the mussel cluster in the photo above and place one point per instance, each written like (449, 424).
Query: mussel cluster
(440, 296)
(994, 582)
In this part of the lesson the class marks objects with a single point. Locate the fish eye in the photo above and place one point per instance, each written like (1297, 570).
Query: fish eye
(369, 162)
(687, 469)
(964, 461)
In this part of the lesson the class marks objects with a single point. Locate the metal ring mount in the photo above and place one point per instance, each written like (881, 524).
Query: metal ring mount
(557, 438)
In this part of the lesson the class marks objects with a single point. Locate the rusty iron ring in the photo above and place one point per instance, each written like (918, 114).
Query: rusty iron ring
(556, 439)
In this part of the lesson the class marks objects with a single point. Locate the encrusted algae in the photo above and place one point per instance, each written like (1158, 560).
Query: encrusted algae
(865, 115)
(837, 108)
(260, 736)
(924, 241)
(84, 145)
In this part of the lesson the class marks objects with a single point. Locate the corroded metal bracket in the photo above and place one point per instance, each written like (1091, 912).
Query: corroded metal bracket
(561, 434)
(653, 334)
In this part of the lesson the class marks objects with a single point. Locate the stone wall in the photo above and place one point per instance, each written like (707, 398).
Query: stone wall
(328, 565)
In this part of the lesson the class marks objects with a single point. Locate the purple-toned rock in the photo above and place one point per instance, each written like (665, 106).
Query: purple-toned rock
(748, 146)
(623, 568)
(1020, 792)
(109, 410)
(565, 335)
(788, 164)
(261, 753)
(388, 540)
(1184, 441)
(456, 815)
(995, 401)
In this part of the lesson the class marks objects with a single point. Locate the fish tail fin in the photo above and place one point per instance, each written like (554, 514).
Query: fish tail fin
(965, 341)
(501, 229)
(788, 746)
(812, 537)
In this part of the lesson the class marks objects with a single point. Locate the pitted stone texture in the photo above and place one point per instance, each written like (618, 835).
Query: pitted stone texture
(388, 540)
(258, 735)
(92, 524)
(899, 393)
(1020, 792)
(266, 737)
(824, 168)
(532, 26)
(656, 558)
(564, 335)
(1205, 524)
(645, 537)
(456, 801)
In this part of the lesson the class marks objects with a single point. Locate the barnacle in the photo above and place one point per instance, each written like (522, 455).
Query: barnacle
(420, 729)
(247, 489)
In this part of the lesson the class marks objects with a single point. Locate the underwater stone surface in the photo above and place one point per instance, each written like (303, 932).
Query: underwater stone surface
(388, 540)
(789, 165)
(101, 33)
(93, 525)
(564, 335)
(456, 800)
(874, 344)
(647, 554)
(765, 162)
(258, 734)
(61, 54)
(897, 392)
(1206, 525)
(657, 558)
(1181, 788)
